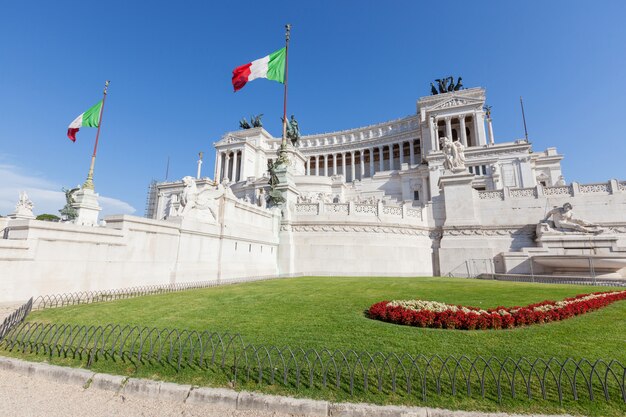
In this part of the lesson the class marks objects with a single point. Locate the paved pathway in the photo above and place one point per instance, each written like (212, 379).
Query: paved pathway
(27, 396)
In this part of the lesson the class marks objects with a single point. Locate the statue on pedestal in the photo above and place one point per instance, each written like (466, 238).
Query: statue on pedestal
(564, 219)
(23, 208)
(68, 212)
(275, 196)
(293, 130)
(446, 85)
(255, 121)
(243, 123)
(454, 154)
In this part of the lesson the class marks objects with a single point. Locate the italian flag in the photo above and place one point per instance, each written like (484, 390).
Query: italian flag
(90, 118)
(271, 67)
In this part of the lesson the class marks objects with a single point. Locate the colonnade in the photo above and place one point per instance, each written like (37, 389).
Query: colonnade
(228, 165)
(364, 163)
(455, 128)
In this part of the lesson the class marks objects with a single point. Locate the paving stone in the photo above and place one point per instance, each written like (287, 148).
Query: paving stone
(220, 397)
(107, 382)
(252, 401)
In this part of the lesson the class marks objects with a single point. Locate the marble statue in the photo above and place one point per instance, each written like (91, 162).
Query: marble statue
(564, 219)
(199, 204)
(560, 182)
(23, 208)
(454, 154)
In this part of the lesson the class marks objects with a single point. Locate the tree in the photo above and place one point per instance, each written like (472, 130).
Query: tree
(48, 217)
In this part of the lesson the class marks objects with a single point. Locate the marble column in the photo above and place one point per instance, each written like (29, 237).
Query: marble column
(401, 154)
(463, 132)
(317, 165)
(362, 153)
(218, 168)
(235, 170)
(381, 161)
(434, 134)
(227, 172)
(391, 167)
(371, 152)
(334, 164)
(326, 165)
(490, 131)
(343, 166)
(479, 128)
(352, 166)
(449, 127)
(308, 166)
(412, 151)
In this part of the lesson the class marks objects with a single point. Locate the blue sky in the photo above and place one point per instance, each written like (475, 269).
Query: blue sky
(351, 63)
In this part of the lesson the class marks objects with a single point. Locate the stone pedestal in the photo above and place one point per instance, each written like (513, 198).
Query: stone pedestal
(460, 199)
(87, 207)
(288, 190)
(462, 238)
(22, 213)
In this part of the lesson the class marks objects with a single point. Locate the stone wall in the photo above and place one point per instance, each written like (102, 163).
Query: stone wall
(38, 258)
(353, 239)
(505, 220)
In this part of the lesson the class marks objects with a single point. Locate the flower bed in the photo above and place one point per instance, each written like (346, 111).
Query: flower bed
(433, 314)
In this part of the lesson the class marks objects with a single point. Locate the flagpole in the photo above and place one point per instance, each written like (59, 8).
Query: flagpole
(288, 30)
(89, 182)
(523, 118)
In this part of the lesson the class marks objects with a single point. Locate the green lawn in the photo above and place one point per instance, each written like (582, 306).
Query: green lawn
(320, 312)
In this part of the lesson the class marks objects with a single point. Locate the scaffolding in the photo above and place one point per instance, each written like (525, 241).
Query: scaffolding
(151, 200)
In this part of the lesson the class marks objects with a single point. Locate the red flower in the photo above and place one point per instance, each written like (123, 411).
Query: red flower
(458, 317)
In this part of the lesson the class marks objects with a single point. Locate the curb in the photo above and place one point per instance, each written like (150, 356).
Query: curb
(223, 397)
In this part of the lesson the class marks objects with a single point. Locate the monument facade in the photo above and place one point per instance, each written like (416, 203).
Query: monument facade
(420, 195)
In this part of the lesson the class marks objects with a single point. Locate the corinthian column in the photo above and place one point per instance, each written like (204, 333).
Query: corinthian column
(227, 171)
(218, 167)
(352, 167)
(362, 154)
(449, 127)
(463, 133)
(326, 165)
(371, 151)
(334, 164)
(381, 162)
(235, 166)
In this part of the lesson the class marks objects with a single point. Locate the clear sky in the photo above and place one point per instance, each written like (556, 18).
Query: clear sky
(351, 63)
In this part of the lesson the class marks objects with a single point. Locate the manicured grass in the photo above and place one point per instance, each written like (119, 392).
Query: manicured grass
(320, 312)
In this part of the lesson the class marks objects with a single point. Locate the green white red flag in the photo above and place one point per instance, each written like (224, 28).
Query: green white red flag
(271, 67)
(90, 118)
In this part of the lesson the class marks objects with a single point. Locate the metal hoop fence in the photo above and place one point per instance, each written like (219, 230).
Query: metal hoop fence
(551, 279)
(349, 371)
(89, 297)
(15, 318)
